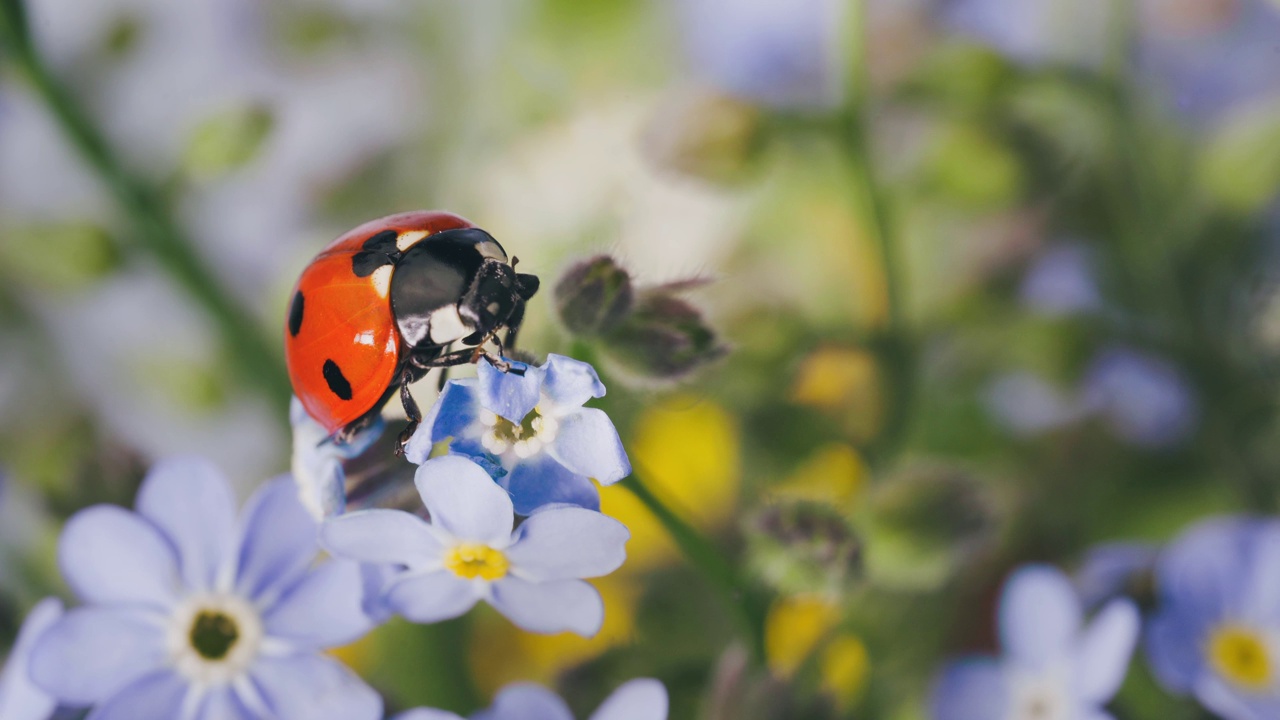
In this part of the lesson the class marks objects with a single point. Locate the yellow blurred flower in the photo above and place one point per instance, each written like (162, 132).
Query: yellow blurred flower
(844, 382)
(799, 626)
(687, 451)
(833, 474)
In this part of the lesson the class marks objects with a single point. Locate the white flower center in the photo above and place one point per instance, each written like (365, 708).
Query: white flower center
(1038, 698)
(518, 441)
(212, 639)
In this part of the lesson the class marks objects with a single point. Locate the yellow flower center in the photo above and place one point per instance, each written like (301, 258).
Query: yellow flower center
(470, 560)
(1241, 656)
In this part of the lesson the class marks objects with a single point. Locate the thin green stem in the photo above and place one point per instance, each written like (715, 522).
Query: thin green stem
(746, 603)
(155, 229)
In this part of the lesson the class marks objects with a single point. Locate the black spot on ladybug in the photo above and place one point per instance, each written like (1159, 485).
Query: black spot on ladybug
(380, 249)
(295, 314)
(364, 263)
(383, 242)
(337, 381)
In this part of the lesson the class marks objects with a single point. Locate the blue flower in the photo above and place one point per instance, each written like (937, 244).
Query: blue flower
(641, 699)
(1115, 569)
(468, 553)
(1036, 31)
(1215, 633)
(1061, 282)
(317, 461)
(780, 53)
(1053, 666)
(1146, 399)
(191, 612)
(20, 699)
(530, 432)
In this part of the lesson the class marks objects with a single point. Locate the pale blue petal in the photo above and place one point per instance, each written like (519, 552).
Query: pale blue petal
(640, 699)
(474, 450)
(1203, 572)
(317, 460)
(427, 714)
(588, 444)
(374, 579)
(94, 652)
(525, 701)
(20, 699)
(1106, 646)
(432, 597)
(190, 501)
(1228, 702)
(568, 543)
(542, 480)
(156, 696)
(463, 500)
(279, 541)
(314, 687)
(110, 555)
(970, 689)
(326, 609)
(223, 704)
(1113, 569)
(454, 412)
(569, 382)
(1040, 616)
(1173, 642)
(549, 607)
(510, 395)
(1261, 596)
(381, 536)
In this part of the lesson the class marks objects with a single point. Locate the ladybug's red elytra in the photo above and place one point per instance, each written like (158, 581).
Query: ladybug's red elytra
(380, 306)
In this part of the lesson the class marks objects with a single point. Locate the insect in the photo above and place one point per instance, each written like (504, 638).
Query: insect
(381, 305)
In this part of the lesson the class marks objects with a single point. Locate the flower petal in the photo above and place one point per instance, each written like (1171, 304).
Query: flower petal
(427, 714)
(510, 395)
(570, 383)
(464, 501)
(316, 464)
(640, 699)
(156, 696)
(94, 652)
(20, 699)
(542, 480)
(1261, 595)
(324, 610)
(1173, 642)
(588, 444)
(568, 543)
(525, 701)
(223, 704)
(1039, 615)
(278, 542)
(190, 501)
(381, 536)
(549, 607)
(1102, 659)
(432, 597)
(970, 689)
(110, 555)
(453, 413)
(315, 687)
(1203, 570)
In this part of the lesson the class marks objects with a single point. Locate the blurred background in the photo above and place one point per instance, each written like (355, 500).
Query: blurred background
(997, 281)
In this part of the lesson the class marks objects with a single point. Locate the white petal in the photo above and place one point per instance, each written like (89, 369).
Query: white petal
(1102, 658)
(640, 699)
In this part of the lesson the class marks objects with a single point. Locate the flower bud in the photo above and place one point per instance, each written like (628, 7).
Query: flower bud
(664, 338)
(803, 547)
(594, 296)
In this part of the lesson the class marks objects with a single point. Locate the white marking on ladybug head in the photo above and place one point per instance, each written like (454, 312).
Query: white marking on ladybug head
(382, 280)
(409, 238)
(447, 325)
(491, 249)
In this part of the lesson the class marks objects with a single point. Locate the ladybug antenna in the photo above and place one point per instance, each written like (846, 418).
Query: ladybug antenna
(514, 260)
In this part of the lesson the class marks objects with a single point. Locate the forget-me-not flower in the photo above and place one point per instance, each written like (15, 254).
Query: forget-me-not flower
(468, 552)
(20, 699)
(1146, 399)
(530, 431)
(1215, 633)
(317, 461)
(1114, 569)
(1053, 666)
(193, 613)
(641, 699)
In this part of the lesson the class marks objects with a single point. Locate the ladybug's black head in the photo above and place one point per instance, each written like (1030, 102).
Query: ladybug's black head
(496, 299)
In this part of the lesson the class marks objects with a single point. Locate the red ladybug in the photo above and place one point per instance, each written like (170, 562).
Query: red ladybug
(379, 307)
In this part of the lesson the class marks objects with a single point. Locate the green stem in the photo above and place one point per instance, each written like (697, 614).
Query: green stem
(155, 229)
(746, 603)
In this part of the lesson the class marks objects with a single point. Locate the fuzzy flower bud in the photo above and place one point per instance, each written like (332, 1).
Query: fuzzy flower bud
(594, 295)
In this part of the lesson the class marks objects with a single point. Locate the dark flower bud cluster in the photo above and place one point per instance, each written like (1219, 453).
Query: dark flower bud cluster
(649, 333)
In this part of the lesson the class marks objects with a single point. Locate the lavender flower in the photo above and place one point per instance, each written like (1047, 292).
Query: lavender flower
(192, 613)
(642, 699)
(20, 699)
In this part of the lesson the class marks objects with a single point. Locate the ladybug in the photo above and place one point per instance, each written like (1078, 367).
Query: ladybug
(380, 306)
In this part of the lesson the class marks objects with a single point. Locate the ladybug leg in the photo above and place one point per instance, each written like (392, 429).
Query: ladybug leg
(410, 410)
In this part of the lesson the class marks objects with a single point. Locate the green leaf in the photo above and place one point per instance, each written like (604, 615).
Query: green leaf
(227, 141)
(59, 256)
(1241, 165)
